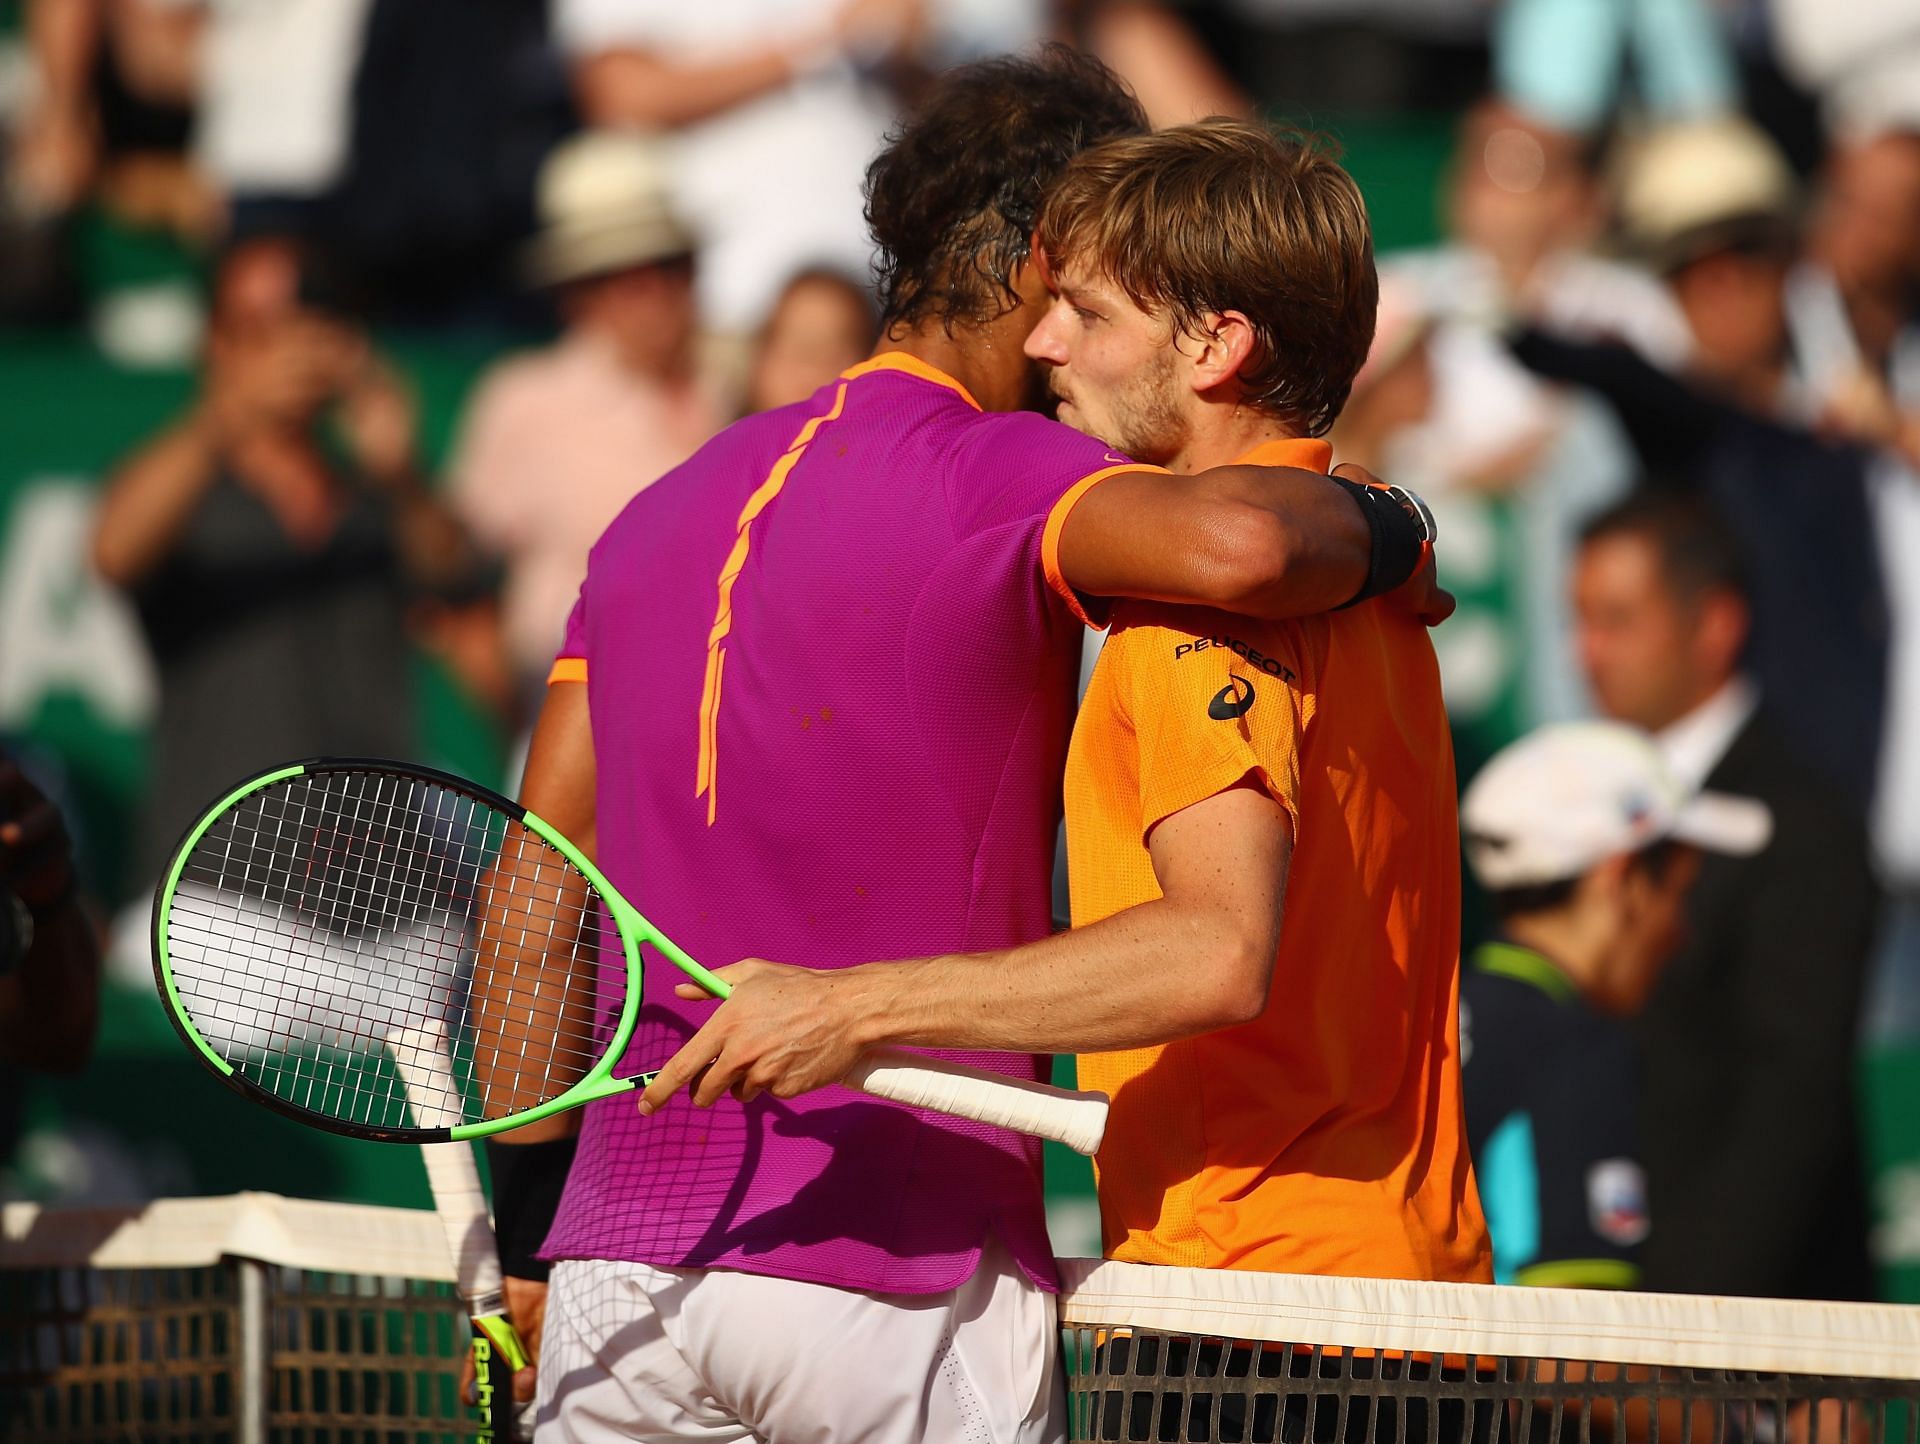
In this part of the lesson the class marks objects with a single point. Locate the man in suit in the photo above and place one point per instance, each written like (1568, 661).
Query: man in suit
(1749, 1118)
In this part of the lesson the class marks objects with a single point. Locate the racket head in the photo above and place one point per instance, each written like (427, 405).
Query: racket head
(390, 952)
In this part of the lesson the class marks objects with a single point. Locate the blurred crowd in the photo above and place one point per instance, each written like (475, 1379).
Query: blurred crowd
(1673, 323)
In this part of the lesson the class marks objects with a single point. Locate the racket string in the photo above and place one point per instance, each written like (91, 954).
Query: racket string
(325, 916)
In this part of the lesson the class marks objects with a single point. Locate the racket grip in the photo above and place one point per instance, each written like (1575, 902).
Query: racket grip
(461, 1207)
(1078, 1120)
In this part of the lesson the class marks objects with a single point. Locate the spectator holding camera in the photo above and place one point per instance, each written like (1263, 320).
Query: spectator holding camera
(269, 538)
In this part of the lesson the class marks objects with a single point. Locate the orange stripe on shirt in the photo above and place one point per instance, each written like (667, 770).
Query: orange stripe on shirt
(707, 768)
(568, 669)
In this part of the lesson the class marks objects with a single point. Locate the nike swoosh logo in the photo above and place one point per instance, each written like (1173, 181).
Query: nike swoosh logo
(1231, 701)
(1120, 460)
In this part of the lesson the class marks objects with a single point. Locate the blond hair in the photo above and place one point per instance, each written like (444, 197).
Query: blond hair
(1223, 215)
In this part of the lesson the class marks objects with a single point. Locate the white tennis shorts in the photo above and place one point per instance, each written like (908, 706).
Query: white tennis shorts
(633, 1352)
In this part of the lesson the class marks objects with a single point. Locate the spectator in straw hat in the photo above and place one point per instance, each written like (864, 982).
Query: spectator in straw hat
(555, 443)
(1713, 209)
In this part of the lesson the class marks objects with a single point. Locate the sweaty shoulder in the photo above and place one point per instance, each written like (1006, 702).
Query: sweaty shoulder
(1005, 467)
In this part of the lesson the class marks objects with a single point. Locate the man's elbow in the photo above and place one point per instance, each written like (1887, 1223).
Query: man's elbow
(1257, 555)
(1240, 979)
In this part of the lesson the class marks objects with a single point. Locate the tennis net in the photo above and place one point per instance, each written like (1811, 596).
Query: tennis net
(1168, 1354)
(251, 1319)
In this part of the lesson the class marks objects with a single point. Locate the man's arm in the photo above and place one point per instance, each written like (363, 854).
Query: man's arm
(1261, 541)
(559, 786)
(632, 85)
(1198, 958)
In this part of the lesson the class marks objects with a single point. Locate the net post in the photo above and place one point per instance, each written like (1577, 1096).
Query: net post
(252, 1394)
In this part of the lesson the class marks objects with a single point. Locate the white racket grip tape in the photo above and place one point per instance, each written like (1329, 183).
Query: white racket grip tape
(462, 1207)
(1078, 1120)
(421, 1058)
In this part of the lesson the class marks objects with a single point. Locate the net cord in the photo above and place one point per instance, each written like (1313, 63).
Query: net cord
(1878, 1341)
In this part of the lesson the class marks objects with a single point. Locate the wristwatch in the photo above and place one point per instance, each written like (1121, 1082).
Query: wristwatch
(1416, 508)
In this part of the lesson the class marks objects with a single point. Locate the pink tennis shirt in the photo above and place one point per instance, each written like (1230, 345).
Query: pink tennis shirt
(830, 663)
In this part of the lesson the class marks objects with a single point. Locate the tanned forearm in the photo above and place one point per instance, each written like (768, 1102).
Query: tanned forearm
(1266, 542)
(626, 87)
(1322, 559)
(559, 786)
(1151, 974)
(151, 497)
(1197, 958)
(64, 39)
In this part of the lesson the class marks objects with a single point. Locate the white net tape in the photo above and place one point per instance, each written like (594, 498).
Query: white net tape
(196, 1232)
(1879, 1341)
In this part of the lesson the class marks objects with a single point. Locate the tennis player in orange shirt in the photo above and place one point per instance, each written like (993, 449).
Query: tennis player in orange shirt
(1285, 1097)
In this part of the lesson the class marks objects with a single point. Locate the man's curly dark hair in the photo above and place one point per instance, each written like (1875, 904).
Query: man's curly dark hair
(952, 199)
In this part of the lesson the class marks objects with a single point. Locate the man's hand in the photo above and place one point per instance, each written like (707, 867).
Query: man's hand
(282, 383)
(1423, 595)
(784, 1031)
(380, 421)
(1420, 593)
(527, 1307)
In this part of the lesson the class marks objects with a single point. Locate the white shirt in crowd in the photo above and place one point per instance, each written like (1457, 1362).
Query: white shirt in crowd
(1696, 744)
(1862, 58)
(772, 186)
(1485, 402)
(274, 112)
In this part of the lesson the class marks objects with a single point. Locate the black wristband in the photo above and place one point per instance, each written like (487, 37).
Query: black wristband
(527, 1179)
(1396, 529)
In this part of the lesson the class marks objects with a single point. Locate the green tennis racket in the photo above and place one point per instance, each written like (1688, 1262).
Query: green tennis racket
(392, 953)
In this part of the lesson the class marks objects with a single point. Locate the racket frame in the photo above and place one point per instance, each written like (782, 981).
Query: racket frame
(1076, 1119)
(632, 926)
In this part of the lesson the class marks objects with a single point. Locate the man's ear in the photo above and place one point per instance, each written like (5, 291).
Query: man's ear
(1218, 348)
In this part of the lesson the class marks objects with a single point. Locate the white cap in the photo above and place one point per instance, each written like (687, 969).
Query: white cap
(604, 206)
(1567, 797)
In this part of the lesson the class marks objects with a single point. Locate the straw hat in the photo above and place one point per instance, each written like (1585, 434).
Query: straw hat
(1689, 189)
(604, 207)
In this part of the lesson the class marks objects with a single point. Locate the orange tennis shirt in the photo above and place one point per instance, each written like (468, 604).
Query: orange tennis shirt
(1326, 1136)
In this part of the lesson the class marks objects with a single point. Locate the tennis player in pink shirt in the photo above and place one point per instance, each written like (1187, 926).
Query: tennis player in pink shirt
(814, 704)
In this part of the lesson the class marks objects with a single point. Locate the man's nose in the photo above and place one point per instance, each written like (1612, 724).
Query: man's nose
(1043, 341)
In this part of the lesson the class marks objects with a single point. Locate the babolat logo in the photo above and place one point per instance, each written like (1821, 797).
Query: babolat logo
(483, 1386)
(1239, 648)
